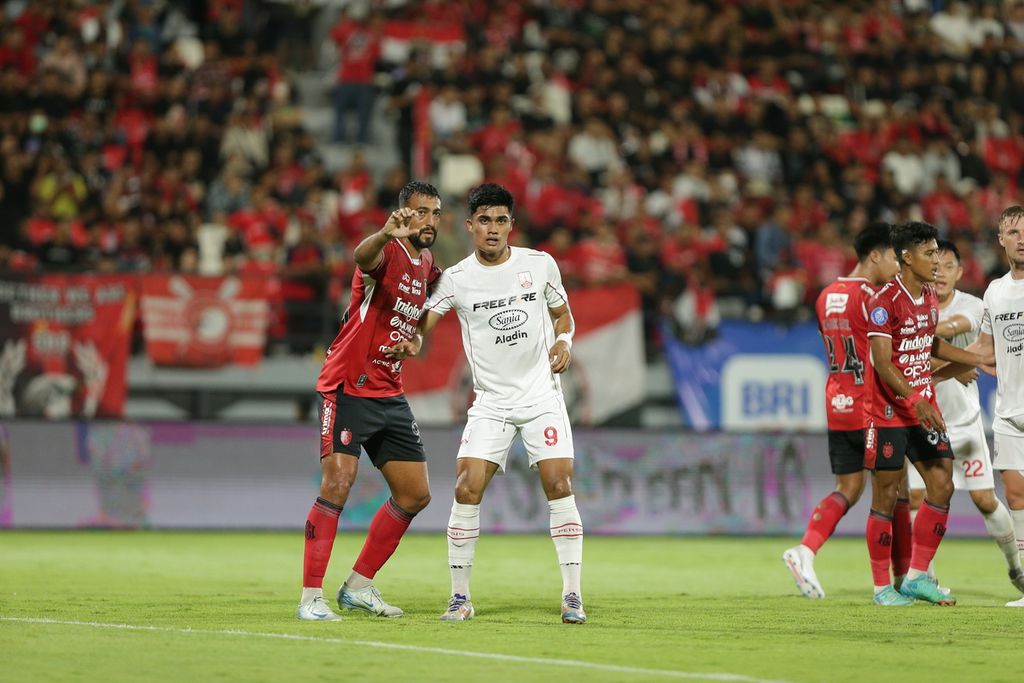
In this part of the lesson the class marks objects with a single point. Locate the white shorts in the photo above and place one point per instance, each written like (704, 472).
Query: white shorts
(544, 427)
(1008, 453)
(972, 466)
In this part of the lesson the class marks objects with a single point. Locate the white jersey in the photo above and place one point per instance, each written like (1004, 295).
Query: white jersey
(961, 405)
(506, 328)
(1004, 320)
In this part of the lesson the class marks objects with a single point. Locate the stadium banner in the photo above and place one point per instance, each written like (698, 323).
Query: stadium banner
(759, 376)
(605, 379)
(205, 322)
(181, 475)
(64, 345)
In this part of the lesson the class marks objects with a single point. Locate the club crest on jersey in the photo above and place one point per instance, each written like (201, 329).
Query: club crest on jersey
(888, 449)
(345, 436)
(935, 316)
(879, 316)
(525, 279)
(888, 412)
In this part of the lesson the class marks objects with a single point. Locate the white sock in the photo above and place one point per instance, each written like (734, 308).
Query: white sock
(1018, 526)
(1000, 527)
(567, 535)
(463, 532)
(309, 593)
(355, 581)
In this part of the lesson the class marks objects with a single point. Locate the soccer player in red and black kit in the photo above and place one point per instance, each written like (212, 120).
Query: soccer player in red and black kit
(842, 322)
(364, 407)
(905, 419)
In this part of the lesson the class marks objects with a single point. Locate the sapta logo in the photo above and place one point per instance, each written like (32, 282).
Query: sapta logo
(842, 403)
(1013, 333)
(835, 303)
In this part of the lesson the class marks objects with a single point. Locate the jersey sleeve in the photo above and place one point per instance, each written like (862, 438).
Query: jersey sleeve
(442, 298)
(386, 256)
(974, 312)
(554, 292)
(986, 320)
(881, 319)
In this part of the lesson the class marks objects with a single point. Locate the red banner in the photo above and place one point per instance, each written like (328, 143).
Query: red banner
(64, 343)
(192, 321)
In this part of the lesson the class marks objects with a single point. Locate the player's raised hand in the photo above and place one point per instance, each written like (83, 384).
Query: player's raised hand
(929, 416)
(399, 223)
(404, 349)
(560, 357)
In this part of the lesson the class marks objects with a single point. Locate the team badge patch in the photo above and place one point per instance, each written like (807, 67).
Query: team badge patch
(888, 449)
(879, 316)
(345, 436)
(525, 279)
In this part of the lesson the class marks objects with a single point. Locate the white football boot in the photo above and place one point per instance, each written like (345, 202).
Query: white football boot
(316, 610)
(367, 600)
(800, 562)
(460, 608)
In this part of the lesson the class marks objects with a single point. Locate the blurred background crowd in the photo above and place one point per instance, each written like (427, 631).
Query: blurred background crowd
(719, 156)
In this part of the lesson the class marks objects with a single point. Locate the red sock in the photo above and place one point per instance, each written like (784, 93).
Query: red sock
(879, 537)
(386, 530)
(824, 519)
(901, 537)
(929, 528)
(321, 528)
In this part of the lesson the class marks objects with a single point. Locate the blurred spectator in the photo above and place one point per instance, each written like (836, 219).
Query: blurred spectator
(358, 44)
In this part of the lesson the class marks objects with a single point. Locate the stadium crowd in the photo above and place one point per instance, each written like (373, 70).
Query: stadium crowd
(720, 156)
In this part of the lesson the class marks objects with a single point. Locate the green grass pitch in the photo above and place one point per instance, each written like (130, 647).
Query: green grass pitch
(660, 609)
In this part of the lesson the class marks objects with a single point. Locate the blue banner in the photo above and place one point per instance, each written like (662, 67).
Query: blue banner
(760, 376)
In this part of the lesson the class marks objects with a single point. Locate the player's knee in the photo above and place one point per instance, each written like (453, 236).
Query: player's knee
(468, 494)
(558, 488)
(940, 492)
(985, 501)
(1015, 499)
(413, 503)
(916, 498)
(335, 487)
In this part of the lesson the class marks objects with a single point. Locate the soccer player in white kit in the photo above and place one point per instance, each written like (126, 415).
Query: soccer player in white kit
(1002, 329)
(960, 319)
(517, 334)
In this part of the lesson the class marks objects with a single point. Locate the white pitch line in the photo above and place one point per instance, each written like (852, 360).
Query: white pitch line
(579, 664)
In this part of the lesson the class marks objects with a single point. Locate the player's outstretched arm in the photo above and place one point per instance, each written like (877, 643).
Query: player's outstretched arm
(368, 254)
(560, 353)
(985, 347)
(941, 371)
(946, 351)
(947, 329)
(411, 347)
(881, 359)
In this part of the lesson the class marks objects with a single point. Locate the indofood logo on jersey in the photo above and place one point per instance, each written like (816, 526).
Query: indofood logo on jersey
(773, 391)
(916, 344)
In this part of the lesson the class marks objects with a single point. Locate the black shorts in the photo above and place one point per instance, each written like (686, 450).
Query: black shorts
(384, 427)
(846, 451)
(887, 446)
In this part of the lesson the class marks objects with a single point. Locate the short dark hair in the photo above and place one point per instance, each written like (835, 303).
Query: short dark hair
(877, 235)
(416, 187)
(490, 194)
(946, 245)
(910, 235)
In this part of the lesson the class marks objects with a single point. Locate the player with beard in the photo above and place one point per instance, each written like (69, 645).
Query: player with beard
(1002, 333)
(364, 406)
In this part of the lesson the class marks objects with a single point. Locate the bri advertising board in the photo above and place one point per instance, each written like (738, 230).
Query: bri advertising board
(760, 376)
